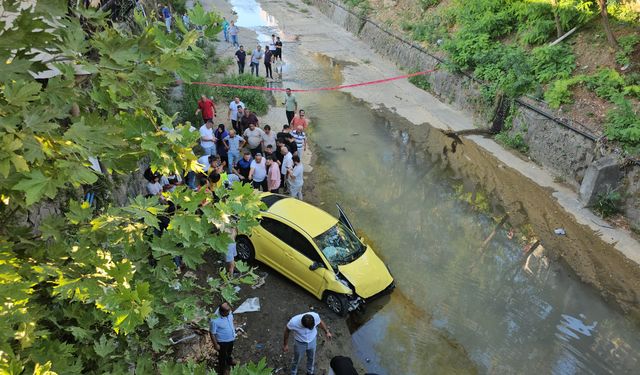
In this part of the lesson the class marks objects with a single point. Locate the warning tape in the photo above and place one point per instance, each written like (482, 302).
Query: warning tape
(262, 88)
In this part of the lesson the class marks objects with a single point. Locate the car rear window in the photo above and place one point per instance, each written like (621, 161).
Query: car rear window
(269, 200)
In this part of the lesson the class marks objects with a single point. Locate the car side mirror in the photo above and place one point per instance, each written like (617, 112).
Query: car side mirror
(315, 265)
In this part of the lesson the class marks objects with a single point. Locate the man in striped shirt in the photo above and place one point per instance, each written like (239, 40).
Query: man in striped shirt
(301, 139)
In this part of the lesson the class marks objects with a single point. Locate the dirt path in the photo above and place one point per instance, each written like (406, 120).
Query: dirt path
(280, 299)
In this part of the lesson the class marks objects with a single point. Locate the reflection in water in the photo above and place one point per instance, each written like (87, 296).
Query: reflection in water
(467, 299)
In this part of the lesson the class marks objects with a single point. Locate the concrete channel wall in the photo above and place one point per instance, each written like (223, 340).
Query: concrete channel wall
(562, 148)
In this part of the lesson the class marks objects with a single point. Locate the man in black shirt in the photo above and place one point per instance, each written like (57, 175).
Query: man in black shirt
(241, 57)
(278, 54)
(291, 144)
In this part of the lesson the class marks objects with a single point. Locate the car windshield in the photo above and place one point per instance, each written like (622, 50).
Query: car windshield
(340, 245)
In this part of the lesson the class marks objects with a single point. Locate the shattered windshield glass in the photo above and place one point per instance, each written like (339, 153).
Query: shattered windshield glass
(340, 245)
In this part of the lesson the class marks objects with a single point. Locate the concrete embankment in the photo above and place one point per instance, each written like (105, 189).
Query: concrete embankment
(602, 256)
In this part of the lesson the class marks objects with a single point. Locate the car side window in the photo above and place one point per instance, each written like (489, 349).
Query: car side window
(291, 237)
(302, 245)
(278, 229)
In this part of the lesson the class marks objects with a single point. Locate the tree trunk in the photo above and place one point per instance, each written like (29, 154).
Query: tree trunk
(556, 18)
(605, 24)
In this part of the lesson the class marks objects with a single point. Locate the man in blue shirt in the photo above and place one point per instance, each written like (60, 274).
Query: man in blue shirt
(166, 14)
(243, 167)
(232, 144)
(223, 334)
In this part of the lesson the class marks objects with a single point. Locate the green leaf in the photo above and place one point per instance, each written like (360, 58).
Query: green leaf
(36, 185)
(104, 347)
(158, 340)
(20, 93)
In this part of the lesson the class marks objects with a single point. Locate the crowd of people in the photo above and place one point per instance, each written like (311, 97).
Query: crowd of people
(271, 56)
(242, 150)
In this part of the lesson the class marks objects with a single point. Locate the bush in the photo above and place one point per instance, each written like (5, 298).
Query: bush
(255, 100)
(627, 45)
(607, 204)
(606, 83)
(515, 142)
(560, 91)
(421, 81)
(552, 62)
(623, 125)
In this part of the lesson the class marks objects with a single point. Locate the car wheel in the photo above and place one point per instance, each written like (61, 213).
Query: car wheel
(337, 303)
(245, 250)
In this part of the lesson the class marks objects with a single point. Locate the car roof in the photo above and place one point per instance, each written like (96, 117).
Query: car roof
(311, 219)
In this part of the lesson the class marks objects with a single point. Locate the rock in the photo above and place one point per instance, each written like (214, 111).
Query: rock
(601, 177)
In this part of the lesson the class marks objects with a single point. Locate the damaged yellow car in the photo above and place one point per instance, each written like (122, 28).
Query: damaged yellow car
(317, 251)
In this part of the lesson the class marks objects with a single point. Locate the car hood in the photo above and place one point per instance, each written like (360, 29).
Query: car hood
(368, 274)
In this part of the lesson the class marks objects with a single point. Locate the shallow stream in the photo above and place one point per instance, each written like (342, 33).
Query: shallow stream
(466, 301)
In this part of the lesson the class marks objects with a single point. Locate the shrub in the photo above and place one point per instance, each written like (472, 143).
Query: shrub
(606, 83)
(515, 142)
(559, 91)
(255, 100)
(552, 62)
(627, 45)
(421, 81)
(607, 204)
(623, 125)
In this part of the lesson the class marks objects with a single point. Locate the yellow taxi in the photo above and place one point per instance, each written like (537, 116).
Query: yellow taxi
(315, 250)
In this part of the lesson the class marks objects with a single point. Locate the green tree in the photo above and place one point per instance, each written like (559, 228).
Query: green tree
(92, 289)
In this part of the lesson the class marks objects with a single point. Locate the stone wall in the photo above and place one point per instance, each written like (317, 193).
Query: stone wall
(559, 149)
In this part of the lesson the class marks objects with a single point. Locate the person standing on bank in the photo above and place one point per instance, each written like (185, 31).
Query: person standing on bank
(253, 135)
(258, 173)
(207, 140)
(268, 56)
(241, 59)
(296, 179)
(256, 56)
(233, 33)
(304, 327)
(278, 53)
(298, 120)
(273, 175)
(225, 29)
(290, 105)
(233, 112)
(223, 334)
(207, 107)
(166, 15)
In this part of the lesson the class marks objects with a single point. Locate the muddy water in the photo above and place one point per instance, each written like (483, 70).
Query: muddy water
(467, 301)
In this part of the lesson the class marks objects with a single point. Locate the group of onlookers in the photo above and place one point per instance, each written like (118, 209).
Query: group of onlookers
(245, 152)
(272, 55)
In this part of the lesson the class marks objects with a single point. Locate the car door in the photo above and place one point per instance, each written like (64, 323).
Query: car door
(302, 254)
(344, 220)
(270, 245)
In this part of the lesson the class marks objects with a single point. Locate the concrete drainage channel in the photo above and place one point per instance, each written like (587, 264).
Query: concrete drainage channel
(472, 295)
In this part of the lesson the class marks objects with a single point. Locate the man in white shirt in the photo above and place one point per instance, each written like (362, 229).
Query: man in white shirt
(233, 113)
(287, 162)
(258, 173)
(296, 180)
(305, 334)
(207, 140)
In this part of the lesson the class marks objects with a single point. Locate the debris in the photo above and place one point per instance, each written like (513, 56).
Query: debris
(249, 305)
(261, 282)
(559, 231)
(259, 346)
(355, 133)
(236, 288)
(185, 338)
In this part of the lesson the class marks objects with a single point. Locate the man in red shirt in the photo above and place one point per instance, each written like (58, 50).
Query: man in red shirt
(207, 107)
(299, 120)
